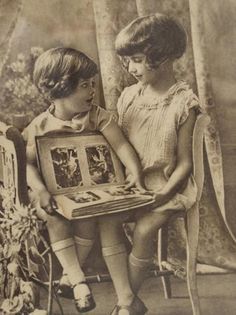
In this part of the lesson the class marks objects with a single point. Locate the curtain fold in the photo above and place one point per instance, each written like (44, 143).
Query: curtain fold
(222, 242)
(109, 20)
(204, 85)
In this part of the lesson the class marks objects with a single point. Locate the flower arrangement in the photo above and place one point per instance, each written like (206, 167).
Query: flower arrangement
(17, 224)
(18, 95)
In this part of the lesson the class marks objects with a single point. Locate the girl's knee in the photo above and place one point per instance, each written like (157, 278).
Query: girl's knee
(144, 231)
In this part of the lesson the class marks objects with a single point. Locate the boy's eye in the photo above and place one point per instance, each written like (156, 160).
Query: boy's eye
(84, 85)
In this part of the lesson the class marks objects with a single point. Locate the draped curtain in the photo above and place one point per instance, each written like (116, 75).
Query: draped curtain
(217, 243)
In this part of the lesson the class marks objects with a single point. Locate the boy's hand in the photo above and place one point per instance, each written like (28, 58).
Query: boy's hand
(47, 202)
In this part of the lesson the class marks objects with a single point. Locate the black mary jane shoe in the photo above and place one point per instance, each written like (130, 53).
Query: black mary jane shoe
(137, 307)
(85, 303)
(64, 288)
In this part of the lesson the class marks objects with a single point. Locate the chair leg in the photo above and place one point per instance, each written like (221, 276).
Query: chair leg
(162, 256)
(192, 233)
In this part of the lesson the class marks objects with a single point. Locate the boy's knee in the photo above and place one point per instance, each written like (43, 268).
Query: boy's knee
(55, 222)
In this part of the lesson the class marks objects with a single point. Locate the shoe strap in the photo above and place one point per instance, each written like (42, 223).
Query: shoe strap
(78, 283)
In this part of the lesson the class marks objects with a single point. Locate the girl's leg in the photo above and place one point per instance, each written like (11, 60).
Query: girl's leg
(140, 259)
(115, 256)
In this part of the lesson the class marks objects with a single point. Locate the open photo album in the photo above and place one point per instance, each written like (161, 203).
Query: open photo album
(85, 176)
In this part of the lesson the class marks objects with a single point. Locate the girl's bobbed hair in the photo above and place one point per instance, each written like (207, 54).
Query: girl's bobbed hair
(158, 36)
(58, 70)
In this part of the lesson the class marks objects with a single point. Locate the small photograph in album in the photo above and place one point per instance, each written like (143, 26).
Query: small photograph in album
(85, 176)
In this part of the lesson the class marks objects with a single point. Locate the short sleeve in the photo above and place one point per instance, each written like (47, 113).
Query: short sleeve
(103, 118)
(29, 134)
(189, 101)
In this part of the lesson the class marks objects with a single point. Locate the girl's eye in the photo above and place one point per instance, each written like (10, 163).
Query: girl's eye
(137, 60)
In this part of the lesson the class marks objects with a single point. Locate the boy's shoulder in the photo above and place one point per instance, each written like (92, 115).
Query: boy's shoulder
(39, 120)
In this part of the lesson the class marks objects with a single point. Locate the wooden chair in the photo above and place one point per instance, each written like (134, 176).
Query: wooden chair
(191, 224)
(13, 180)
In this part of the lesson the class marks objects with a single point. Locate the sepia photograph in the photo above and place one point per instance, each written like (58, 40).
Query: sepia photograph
(117, 157)
(66, 167)
(100, 165)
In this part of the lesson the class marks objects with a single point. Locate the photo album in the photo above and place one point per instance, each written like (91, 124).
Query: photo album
(85, 176)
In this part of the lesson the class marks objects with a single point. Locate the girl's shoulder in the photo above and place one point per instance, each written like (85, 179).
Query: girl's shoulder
(183, 89)
(184, 100)
(182, 95)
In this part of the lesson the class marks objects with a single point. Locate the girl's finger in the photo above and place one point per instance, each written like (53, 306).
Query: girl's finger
(129, 185)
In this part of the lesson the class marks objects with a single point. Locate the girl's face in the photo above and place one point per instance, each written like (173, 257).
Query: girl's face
(138, 68)
(81, 99)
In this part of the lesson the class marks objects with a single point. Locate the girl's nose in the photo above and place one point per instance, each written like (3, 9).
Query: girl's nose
(92, 91)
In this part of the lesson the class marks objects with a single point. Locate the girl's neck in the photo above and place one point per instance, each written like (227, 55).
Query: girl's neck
(164, 80)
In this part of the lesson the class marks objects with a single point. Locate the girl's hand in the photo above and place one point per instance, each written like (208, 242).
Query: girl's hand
(131, 181)
(160, 198)
(47, 202)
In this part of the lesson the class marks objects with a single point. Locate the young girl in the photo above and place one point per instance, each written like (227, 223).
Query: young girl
(66, 77)
(157, 115)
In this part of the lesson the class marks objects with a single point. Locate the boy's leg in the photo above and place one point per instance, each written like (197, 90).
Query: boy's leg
(62, 243)
(140, 259)
(115, 255)
(84, 235)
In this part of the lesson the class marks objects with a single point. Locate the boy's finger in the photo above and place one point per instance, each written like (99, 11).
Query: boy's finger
(54, 204)
(49, 210)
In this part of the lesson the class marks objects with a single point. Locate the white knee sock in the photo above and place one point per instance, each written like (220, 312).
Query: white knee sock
(116, 259)
(138, 268)
(66, 253)
(83, 247)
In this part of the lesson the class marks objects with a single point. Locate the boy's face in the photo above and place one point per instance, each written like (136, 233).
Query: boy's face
(137, 66)
(81, 99)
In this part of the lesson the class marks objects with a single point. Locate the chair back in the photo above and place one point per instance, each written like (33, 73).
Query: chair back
(13, 164)
(198, 141)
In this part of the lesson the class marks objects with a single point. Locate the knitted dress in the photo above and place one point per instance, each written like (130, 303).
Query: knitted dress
(152, 128)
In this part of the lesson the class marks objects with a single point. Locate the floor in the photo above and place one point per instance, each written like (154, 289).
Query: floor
(217, 296)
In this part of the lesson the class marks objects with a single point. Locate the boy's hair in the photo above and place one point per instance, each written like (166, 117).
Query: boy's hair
(158, 36)
(58, 70)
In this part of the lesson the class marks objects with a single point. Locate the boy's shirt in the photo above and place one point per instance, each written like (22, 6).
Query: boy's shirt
(97, 119)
